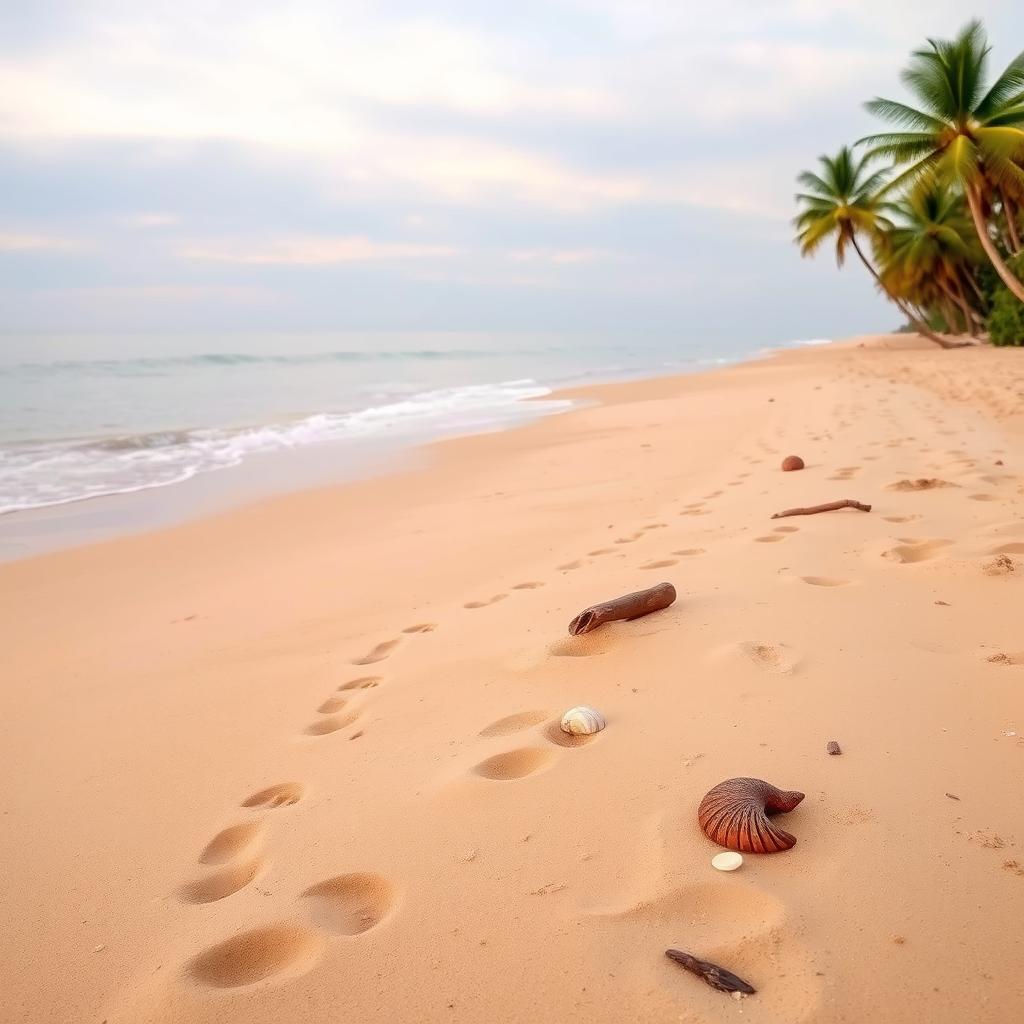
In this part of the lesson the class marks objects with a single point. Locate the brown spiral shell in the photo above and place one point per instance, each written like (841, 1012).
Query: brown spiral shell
(735, 814)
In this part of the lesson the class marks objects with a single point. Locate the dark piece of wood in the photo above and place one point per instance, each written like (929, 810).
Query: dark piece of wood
(833, 748)
(831, 506)
(952, 796)
(629, 606)
(715, 976)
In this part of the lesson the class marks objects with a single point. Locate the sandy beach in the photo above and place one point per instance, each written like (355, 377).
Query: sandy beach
(300, 761)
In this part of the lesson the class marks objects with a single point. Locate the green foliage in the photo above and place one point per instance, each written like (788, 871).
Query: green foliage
(940, 214)
(962, 131)
(1006, 319)
(840, 200)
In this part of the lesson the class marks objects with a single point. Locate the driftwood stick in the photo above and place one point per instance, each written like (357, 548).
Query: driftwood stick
(630, 606)
(715, 976)
(831, 506)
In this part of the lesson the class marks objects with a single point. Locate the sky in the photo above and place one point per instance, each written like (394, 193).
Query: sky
(569, 165)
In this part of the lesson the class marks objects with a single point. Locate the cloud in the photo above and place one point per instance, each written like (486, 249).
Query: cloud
(548, 163)
(309, 251)
(14, 241)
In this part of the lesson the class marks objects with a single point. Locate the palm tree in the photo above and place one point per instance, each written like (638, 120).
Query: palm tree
(841, 201)
(963, 132)
(931, 251)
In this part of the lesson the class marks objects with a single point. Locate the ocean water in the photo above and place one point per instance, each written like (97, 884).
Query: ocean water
(87, 416)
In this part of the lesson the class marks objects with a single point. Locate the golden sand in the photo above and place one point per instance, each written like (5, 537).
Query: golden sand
(301, 762)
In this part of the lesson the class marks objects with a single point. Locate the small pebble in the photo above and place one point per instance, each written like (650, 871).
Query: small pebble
(727, 861)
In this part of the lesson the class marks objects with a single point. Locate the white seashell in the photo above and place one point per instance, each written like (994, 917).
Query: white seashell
(727, 861)
(583, 721)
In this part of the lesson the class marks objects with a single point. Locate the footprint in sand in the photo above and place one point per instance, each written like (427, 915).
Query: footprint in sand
(920, 484)
(284, 794)
(601, 551)
(769, 655)
(230, 842)
(1001, 565)
(325, 726)
(786, 529)
(350, 904)
(627, 540)
(1003, 658)
(221, 883)
(421, 627)
(663, 563)
(554, 734)
(529, 585)
(654, 526)
(825, 581)
(690, 551)
(362, 683)
(916, 551)
(257, 955)
(983, 497)
(569, 566)
(514, 764)
(900, 519)
(514, 723)
(379, 653)
(772, 538)
(485, 604)
(332, 705)
(1013, 548)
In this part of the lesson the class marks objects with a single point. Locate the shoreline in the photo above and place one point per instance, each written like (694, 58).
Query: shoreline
(26, 533)
(304, 754)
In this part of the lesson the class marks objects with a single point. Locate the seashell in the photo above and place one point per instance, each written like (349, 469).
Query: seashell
(583, 721)
(791, 462)
(735, 814)
(727, 861)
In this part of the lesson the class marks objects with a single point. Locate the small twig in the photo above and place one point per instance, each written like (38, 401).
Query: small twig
(715, 976)
(831, 506)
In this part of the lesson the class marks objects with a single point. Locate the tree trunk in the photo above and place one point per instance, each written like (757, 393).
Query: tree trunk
(1004, 272)
(918, 325)
(1011, 224)
(952, 327)
(965, 307)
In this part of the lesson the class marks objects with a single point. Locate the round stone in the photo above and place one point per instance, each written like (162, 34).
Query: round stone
(728, 861)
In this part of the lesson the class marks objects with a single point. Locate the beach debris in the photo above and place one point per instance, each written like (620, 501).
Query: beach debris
(583, 721)
(792, 462)
(830, 506)
(712, 974)
(727, 861)
(735, 815)
(833, 747)
(952, 796)
(629, 606)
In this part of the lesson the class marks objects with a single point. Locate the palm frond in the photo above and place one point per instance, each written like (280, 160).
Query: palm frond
(903, 115)
(1005, 88)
